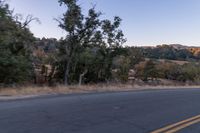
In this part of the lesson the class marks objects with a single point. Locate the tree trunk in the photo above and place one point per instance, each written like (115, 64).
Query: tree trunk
(67, 68)
(66, 76)
(51, 75)
(68, 65)
(81, 77)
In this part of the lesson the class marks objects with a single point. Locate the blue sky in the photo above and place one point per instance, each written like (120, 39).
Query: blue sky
(145, 22)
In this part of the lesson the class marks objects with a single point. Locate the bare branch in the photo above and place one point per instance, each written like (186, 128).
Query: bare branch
(29, 19)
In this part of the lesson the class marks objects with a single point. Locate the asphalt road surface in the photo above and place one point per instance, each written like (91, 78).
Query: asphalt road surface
(119, 112)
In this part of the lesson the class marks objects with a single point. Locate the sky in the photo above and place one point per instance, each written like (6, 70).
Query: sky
(145, 22)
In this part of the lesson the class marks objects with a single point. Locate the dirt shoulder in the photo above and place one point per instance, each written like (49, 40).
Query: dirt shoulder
(34, 91)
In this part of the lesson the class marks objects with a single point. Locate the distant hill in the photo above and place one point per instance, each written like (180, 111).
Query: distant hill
(193, 49)
(172, 52)
(43, 48)
(176, 46)
(179, 46)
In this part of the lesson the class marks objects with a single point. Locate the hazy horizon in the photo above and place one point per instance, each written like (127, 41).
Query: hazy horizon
(145, 22)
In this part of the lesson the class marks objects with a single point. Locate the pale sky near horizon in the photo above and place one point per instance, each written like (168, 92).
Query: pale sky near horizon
(145, 22)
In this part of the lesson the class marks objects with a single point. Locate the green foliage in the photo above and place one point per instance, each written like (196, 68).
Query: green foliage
(183, 73)
(122, 65)
(14, 69)
(15, 50)
(135, 54)
(146, 70)
(167, 52)
(90, 44)
(191, 72)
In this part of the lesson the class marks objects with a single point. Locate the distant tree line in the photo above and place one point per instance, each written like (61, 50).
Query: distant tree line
(169, 52)
(155, 70)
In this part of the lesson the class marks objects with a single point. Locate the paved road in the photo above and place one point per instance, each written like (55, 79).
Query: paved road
(121, 112)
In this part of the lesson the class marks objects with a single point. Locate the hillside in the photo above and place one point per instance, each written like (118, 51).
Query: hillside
(172, 52)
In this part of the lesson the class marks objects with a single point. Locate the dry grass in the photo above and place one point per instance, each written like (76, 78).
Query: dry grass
(34, 90)
(174, 61)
